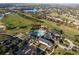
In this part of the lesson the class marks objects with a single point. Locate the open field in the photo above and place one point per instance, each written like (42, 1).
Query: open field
(18, 21)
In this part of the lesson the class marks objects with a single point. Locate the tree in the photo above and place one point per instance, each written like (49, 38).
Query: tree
(3, 49)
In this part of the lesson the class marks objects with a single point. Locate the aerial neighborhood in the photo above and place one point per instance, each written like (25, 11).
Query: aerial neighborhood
(39, 29)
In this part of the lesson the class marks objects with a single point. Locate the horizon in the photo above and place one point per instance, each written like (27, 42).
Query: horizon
(39, 1)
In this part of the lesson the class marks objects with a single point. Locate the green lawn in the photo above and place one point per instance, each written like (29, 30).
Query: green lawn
(17, 21)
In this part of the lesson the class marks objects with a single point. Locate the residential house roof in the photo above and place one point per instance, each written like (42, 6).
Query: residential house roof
(45, 42)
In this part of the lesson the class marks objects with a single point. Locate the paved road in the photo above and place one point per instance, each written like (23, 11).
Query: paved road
(61, 46)
(71, 45)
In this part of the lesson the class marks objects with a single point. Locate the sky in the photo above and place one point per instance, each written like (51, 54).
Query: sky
(39, 1)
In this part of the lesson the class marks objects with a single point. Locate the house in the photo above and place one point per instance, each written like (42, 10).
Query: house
(2, 28)
(49, 38)
(45, 42)
(55, 35)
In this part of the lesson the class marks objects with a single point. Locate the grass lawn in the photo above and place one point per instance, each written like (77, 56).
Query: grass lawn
(18, 21)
